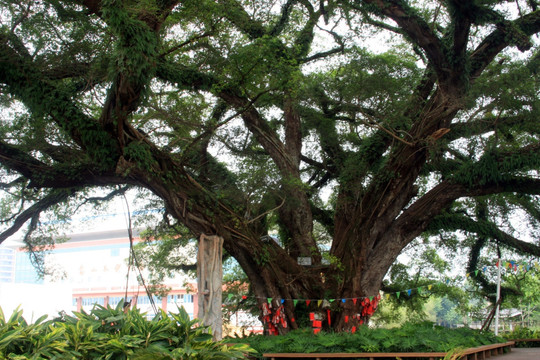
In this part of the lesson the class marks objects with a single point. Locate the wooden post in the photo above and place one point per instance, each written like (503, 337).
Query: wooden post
(209, 276)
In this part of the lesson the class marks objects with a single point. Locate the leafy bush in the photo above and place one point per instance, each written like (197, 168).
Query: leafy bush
(421, 337)
(523, 333)
(107, 333)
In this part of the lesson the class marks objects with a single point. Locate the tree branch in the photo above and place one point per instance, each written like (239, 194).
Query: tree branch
(97, 199)
(284, 17)
(499, 39)
(321, 55)
(18, 160)
(314, 163)
(65, 71)
(58, 176)
(264, 134)
(418, 216)
(496, 166)
(454, 222)
(52, 198)
(43, 98)
(461, 13)
(236, 14)
(185, 43)
(487, 124)
(418, 30)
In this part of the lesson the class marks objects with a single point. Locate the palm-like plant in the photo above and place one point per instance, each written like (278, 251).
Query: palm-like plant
(107, 333)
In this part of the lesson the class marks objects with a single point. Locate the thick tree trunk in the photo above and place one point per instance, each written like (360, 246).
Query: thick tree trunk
(367, 238)
(343, 295)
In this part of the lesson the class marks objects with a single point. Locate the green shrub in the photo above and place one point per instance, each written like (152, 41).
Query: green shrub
(523, 333)
(421, 337)
(107, 333)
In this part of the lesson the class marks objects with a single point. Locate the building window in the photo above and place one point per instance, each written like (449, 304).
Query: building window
(7, 265)
(145, 300)
(180, 298)
(114, 300)
(91, 301)
(25, 272)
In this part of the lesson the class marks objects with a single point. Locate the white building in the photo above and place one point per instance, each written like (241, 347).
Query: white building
(89, 268)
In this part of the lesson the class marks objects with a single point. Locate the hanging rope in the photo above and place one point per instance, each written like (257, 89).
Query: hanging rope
(130, 261)
(133, 261)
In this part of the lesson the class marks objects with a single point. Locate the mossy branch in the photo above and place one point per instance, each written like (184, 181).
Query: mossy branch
(455, 222)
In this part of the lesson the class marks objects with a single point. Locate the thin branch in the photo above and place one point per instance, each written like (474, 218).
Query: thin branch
(374, 22)
(23, 16)
(109, 196)
(339, 49)
(185, 43)
(266, 212)
(374, 123)
(15, 213)
(212, 129)
(323, 54)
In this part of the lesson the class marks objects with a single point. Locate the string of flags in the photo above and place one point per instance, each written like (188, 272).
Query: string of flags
(273, 310)
(508, 265)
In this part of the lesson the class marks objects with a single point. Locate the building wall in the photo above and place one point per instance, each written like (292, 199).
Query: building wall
(91, 268)
(94, 267)
(176, 297)
(34, 300)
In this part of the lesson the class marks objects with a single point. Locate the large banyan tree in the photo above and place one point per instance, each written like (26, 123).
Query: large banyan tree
(348, 128)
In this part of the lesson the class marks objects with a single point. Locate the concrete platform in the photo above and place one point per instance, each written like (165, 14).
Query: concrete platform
(520, 354)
